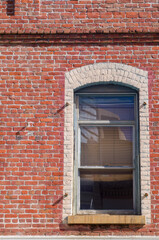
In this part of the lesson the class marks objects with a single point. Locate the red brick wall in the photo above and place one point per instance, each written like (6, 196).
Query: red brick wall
(32, 84)
(79, 15)
(32, 125)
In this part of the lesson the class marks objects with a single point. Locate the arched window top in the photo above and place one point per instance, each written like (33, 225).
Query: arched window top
(106, 88)
(115, 73)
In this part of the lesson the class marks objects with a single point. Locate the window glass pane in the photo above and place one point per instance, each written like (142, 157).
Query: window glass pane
(106, 191)
(106, 146)
(113, 108)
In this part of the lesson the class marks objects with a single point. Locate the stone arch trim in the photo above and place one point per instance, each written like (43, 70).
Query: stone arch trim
(94, 74)
(106, 72)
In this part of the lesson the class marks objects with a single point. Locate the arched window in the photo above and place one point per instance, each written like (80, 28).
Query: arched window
(106, 155)
(106, 127)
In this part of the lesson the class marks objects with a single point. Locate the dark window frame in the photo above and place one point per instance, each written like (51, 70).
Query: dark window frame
(106, 90)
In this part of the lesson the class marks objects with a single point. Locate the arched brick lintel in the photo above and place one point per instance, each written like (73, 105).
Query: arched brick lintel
(106, 72)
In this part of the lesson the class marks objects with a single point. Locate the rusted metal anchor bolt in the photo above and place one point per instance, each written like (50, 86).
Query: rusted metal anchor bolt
(144, 103)
(67, 104)
(66, 194)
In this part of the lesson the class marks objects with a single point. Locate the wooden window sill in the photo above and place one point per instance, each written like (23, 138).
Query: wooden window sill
(106, 219)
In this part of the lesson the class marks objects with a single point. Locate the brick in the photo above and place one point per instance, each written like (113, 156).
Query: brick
(145, 15)
(131, 14)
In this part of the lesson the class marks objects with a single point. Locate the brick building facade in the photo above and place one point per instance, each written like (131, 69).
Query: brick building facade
(48, 50)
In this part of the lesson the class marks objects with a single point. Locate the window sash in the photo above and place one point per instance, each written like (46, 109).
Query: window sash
(99, 187)
(133, 143)
(78, 168)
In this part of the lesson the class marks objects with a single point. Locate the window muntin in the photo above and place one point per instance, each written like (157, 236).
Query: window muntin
(94, 152)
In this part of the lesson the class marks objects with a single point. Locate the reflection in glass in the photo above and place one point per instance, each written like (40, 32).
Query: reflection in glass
(112, 108)
(106, 191)
(106, 146)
